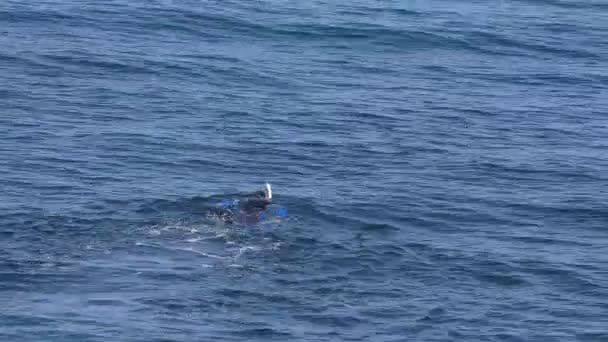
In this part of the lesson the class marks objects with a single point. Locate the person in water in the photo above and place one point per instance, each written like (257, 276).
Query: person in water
(247, 209)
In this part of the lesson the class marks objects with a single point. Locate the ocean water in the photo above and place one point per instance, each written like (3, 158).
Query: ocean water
(444, 164)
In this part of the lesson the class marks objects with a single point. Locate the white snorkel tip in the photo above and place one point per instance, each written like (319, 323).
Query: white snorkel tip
(268, 191)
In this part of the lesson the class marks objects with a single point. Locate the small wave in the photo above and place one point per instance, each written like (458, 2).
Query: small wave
(570, 4)
(15, 15)
(94, 63)
(491, 40)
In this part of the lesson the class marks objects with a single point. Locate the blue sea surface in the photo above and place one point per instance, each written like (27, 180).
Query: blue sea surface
(444, 164)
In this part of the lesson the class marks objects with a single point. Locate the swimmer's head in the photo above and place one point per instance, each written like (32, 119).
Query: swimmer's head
(261, 195)
(265, 195)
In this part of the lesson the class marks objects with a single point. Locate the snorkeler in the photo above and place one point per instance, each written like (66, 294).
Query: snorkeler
(247, 209)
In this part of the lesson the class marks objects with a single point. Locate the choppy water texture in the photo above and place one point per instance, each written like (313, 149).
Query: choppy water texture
(444, 164)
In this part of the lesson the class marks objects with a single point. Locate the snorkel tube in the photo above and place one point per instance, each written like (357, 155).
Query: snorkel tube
(268, 191)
